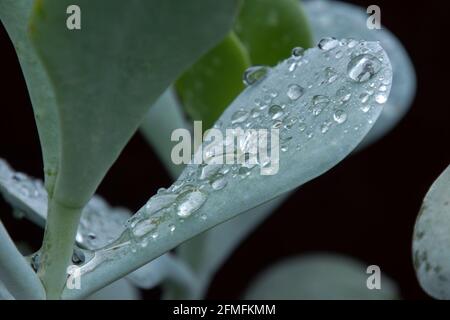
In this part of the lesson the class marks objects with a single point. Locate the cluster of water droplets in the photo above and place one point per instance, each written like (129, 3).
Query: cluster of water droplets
(311, 93)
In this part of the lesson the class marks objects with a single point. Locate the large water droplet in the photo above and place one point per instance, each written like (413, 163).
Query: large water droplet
(189, 202)
(159, 202)
(143, 227)
(294, 91)
(254, 74)
(327, 44)
(363, 67)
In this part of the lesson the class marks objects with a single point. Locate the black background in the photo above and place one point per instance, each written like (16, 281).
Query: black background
(365, 207)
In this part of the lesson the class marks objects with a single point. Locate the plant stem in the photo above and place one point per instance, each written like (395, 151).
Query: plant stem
(57, 247)
(15, 273)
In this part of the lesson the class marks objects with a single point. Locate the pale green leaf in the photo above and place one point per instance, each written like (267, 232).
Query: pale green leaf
(319, 277)
(15, 15)
(431, 250)
(107, 74)
(326, 131)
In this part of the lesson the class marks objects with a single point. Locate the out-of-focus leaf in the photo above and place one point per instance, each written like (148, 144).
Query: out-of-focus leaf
(327, 126)
(343, 20)
(107, 74)
(270, 29)
(100, 225)
(119, 290)
(15, 272)
(431, 250)
(4, 293)
(161, 120)
(14, 15)
(319, 277)
(208, 251)
(212, 83)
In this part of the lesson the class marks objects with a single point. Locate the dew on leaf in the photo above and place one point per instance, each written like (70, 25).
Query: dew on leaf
(254, 74)
(363, 67)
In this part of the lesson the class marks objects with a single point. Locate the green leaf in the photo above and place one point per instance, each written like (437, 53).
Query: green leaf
(431, 251)
(107, 74)
(15, 15)
(270, 29)
(319, 277)
(345, 20)
(329, 126)
(212, 83)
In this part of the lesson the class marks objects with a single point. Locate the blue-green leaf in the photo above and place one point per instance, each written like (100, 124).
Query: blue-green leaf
(328, 126)
(431, 251)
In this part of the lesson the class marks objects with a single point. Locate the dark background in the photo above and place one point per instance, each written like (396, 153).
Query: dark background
(365, 207)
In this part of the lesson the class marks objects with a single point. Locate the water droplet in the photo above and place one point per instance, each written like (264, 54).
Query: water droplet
(330, 75)
(143, 227)
(338, 54)
(289, 122)
(302, 126)
(159, 202)
(254, 113)
(295, 91)
(254, 74)
(365, 108)
(363, 67)
(275, 112)
(320, 100)
(273, 93)
(189, 202)
(340, 116)
(327, 44)
(381, 98)
(277, 124)
(343, 95)
(352, 43)
(244, 171)
(325, 127)
(218, 182)
(297, 52)
(172, 227)
(364, 97)
(239, 116)
(209, 170)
